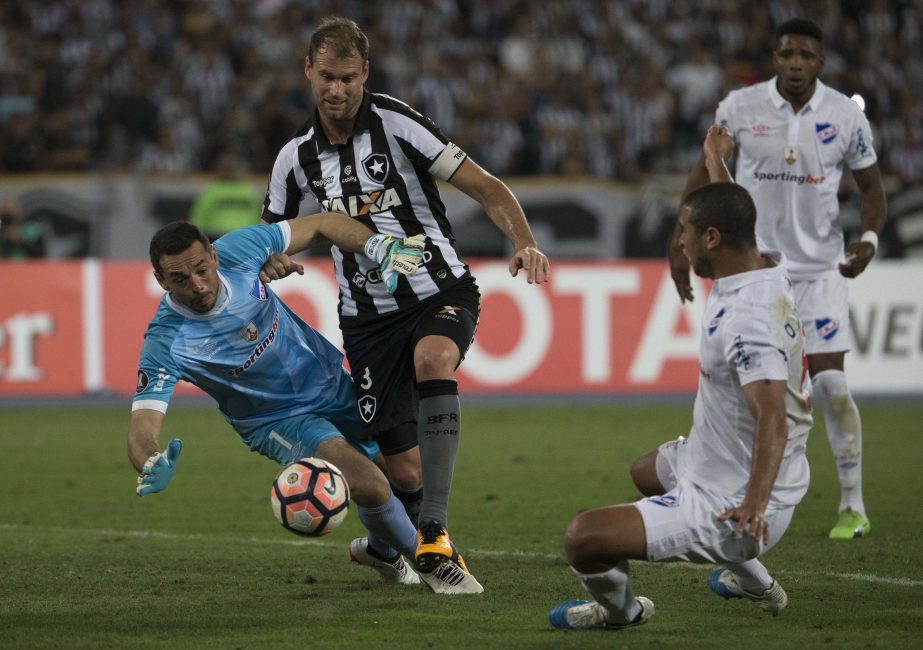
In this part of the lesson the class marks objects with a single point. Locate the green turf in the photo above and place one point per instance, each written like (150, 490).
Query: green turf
(84, 563)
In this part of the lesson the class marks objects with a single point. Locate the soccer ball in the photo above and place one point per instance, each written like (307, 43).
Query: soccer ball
(310, 497)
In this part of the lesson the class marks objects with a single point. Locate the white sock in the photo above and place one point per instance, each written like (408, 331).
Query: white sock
(844, 431)
(751, 576)
(612, 591)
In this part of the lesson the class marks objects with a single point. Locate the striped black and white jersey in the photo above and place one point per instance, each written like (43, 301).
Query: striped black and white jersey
(384, 176)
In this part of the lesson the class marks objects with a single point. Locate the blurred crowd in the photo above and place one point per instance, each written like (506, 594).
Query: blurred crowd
(610, 88)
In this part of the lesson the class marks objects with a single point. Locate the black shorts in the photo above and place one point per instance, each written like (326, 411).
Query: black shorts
(380, 354)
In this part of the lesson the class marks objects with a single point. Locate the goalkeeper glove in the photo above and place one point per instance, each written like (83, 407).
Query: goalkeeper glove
(159, 469)
(395, 257)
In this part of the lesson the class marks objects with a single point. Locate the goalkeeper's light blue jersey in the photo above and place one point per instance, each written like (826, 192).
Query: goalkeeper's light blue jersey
(257, 359)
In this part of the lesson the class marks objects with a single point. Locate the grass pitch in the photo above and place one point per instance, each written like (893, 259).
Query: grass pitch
(84, 563)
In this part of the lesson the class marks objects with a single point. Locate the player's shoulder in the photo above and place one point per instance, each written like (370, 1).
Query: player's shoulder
(840, 102)
(289, 150)
(246, 237)
(748, 95)
(164, 326)
(390, 108)
(389, 102)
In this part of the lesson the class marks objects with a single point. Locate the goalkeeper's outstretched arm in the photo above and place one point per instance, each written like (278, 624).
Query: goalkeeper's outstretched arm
(155, 467)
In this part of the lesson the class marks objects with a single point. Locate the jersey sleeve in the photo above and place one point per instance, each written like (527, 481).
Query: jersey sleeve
(157, 370)
(750, 349)
(283, 195)
(861, 153)
(421, 140)
(248, 248)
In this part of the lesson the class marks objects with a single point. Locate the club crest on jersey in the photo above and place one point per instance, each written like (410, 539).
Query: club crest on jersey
(791, 155)
(826, 132)
(249, 332)
(367, 404)
(713, 325)
(376, 167)
(827, 327)
(258, 290)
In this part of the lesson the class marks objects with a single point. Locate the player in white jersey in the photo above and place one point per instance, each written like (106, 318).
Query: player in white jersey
(278, 382)
(727, 493)
(794, 137)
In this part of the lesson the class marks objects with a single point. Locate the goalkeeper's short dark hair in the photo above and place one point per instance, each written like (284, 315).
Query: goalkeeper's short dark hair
(173, 239)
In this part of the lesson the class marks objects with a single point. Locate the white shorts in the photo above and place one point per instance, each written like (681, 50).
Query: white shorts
(683, 523)
(823, 308)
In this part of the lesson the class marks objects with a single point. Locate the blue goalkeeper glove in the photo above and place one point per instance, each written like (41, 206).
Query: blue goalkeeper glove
(159, 469)
(395, 257)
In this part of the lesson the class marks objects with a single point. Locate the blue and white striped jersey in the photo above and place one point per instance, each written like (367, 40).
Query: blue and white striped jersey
(257, 359)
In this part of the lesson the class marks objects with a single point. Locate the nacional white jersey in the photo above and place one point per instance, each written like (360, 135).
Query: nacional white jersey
(250, 352)
(792, 165)
(749, 333)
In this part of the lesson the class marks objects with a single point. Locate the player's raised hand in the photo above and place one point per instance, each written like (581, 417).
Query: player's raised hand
(159, 469)
(858, 256)
(533, 262)
(718, 143)
(279, 266)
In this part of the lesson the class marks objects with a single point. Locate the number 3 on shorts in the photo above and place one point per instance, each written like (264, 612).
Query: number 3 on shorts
(366, 379)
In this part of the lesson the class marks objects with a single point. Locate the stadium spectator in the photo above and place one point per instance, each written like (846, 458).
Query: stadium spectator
(278, 382)
(794, 136)
(726, 494)
(376, 159)
(19, 237)
(85, 57)
(226, 203)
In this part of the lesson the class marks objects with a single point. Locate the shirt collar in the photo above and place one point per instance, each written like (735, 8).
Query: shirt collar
(363, 122)
(779, 101)
(735, 282)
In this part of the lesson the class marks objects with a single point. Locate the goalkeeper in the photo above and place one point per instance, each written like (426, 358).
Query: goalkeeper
(277, 381)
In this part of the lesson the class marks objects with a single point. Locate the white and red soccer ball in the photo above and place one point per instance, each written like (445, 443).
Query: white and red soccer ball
(310, 497)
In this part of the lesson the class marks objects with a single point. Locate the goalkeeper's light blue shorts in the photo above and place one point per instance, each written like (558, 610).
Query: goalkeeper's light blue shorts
(298, 436)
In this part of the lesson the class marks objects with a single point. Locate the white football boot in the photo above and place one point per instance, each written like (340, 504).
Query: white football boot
(588, 614)
(772, 600)
(398, 571)
(450, 577)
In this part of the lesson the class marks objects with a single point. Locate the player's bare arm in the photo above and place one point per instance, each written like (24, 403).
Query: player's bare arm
(315, 230)
(717, 150)
(872, 214)
(143, 433)
(506, 213)
(679, 264)
(337, 228)
(766, 402)
(155, 468)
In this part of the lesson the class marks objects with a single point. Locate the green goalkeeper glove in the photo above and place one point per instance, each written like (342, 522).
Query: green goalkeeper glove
(395, 257)
(159, 469)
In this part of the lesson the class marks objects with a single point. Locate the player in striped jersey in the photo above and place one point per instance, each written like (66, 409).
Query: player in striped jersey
(376, 159)
(278, 382)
